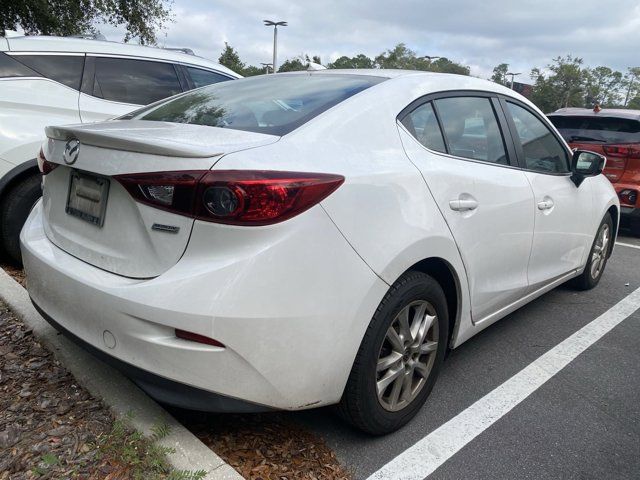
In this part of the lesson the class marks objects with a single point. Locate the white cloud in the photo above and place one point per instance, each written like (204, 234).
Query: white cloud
(524, 34)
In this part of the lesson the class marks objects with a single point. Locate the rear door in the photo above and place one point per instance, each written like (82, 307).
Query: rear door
(485, 199)
(114, 86)
(561, 237)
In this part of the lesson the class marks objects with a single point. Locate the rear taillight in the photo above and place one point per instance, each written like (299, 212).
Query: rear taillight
(617, 158)
(622, 151)
(236, 197)
(44, 165)
(628, 197)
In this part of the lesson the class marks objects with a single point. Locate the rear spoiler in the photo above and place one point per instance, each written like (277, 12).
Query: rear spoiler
(116, 136)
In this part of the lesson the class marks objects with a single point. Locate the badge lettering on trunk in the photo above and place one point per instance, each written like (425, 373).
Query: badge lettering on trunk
(71, 151)
(165, 228)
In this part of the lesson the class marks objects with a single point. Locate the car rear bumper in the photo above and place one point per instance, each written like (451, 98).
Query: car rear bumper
(162, 389)
(291, 308)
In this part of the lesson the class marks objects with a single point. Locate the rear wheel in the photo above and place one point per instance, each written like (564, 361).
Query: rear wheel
(399, 358)
(14, 210)
(598, 256)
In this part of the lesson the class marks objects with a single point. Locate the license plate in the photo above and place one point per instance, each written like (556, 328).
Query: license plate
(87, 197)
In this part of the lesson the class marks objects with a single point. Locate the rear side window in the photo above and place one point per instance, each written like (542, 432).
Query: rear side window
(471, 129)
(272, 104)
(202, 78)
(543, 152)
(138, 82)
(597, 129)
(423, 124)
(10, 67)
(66, 69)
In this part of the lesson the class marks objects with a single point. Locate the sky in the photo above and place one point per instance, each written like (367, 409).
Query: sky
(477, 33)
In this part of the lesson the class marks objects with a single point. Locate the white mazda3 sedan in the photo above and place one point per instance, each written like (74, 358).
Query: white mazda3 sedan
(297, 240)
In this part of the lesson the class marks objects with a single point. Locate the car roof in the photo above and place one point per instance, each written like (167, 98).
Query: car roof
(604, 112)
(41, 43)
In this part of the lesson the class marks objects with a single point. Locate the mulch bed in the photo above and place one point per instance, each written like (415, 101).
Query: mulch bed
(16, 273)
(48, 424)
(266, 446)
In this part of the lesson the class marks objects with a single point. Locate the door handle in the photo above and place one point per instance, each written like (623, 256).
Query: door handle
(545, 204)
(463, 204)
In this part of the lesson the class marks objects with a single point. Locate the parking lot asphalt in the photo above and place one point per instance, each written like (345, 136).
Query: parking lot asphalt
(584, 423)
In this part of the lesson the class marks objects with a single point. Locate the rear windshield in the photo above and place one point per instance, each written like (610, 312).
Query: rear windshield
(272, 104)
(597, 129)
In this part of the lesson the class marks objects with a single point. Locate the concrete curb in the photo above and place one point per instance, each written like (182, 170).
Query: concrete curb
(118, 392)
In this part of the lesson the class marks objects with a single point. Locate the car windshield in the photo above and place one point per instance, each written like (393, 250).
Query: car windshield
(597, 129)
(272, 104)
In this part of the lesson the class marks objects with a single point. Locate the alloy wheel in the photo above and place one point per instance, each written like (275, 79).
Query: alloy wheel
(600, 250)
(407, 355)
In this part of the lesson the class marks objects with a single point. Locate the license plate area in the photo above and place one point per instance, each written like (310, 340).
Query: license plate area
(87, 198)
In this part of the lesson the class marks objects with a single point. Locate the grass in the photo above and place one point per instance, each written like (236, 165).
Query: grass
(138, 457)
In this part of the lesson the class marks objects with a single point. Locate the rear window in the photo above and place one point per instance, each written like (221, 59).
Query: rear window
(272, 104)
(597, 129)
(13, 68)
(66, 69)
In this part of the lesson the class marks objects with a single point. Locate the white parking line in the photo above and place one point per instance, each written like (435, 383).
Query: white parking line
(622, 244)
(420, 460)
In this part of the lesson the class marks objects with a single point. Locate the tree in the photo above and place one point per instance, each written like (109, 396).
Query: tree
(403, 57)
(251, 71)
(142, 18)
(293, 65)
(444, 65)
(500, 74)
(602, 86)
(359, 61)
(562, 86)
(230, 59)
(631, 85)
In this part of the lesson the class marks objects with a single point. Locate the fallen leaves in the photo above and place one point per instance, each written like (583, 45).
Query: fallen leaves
(267, 446)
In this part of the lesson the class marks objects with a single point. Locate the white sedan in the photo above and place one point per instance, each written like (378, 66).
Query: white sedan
(297, 240)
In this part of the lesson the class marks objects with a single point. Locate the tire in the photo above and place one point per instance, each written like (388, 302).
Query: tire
(598, 256)
(361, 405)
(14, 210)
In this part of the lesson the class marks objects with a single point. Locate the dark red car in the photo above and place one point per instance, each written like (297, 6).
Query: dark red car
(615, 133)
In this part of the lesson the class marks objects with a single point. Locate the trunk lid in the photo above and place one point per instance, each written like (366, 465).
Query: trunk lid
(90, 215)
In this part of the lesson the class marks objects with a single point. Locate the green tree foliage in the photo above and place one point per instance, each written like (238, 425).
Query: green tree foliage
(500, 74)
(404, 58)
(631, 85)
(359, 61)
(293, 65)
(142, 18)
(563, 85)
(602, 86)
(251, 71)
(230, 59)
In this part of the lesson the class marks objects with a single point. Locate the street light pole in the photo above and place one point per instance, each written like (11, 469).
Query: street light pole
(275, 25)
(266, 66)
(512, 76)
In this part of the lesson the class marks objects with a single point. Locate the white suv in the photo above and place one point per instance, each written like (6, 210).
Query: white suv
(56, 81)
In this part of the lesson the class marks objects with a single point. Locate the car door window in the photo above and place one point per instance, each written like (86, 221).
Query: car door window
(134, 81)
(201, 78)
(10, 67)
(471, 128)
(423, 125)
(66, 69)
(542, 151)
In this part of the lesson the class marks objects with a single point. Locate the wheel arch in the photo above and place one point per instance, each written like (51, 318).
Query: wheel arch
(16, 174)
(615, 217)
(445, 274)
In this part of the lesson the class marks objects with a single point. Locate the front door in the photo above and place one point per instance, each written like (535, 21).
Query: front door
(561, 239)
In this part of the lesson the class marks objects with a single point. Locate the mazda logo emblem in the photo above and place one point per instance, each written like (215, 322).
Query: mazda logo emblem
(71, 151)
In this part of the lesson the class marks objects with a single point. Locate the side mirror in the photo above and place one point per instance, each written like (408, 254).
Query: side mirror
(586, 164)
